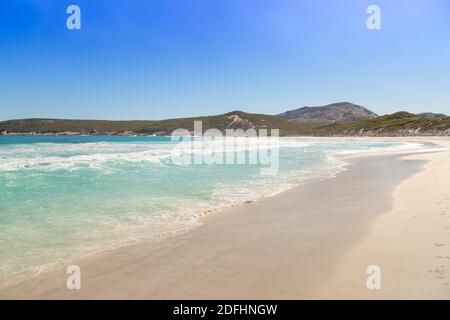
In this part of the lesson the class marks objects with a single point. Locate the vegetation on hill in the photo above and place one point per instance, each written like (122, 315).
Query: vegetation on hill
(231, 120)
(397, 124)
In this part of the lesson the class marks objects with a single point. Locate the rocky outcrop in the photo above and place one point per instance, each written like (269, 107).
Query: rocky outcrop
(127, 133)
(342, 112)
(386, 132)
(238, 123)
(417, 132)
(69, 133)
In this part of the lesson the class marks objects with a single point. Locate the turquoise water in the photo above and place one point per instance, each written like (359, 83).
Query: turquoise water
(66, 197)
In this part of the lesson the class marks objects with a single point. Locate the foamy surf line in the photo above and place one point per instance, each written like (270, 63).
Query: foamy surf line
(157, 220)
(184, 223)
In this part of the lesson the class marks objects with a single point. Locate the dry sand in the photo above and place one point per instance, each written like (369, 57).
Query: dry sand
(410, 243)
(313, 241)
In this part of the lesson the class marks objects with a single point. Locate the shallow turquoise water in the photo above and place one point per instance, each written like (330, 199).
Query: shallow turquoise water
(65, 197)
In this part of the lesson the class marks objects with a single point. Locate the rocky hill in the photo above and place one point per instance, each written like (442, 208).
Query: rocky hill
(342, 112)
(431, 115)
(397, 124)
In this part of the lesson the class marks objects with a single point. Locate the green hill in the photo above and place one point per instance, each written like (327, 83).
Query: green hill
(231, 120)
(397, 124)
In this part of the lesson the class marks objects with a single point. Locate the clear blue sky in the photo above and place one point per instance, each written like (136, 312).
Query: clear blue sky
(154, 59)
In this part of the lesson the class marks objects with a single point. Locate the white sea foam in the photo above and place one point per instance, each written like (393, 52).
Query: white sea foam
(395, 147)
(50, 157)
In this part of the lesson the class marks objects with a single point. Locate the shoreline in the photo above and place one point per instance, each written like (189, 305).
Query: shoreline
(134, 134)
(20, 277)
(147, 271)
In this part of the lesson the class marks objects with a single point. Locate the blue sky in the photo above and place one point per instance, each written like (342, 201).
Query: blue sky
(154, 59)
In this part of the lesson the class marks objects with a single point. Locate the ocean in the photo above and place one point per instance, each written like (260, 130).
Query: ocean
(62, 198)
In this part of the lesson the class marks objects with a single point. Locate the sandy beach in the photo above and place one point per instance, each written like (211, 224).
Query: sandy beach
(314, 241)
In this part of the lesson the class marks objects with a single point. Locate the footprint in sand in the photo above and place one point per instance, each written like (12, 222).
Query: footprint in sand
(439, 272)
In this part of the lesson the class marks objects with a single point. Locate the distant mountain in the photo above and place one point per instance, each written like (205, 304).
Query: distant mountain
(342, 112)
(431, 115)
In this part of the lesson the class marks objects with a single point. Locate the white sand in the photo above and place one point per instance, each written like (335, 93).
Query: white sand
(410, 243)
